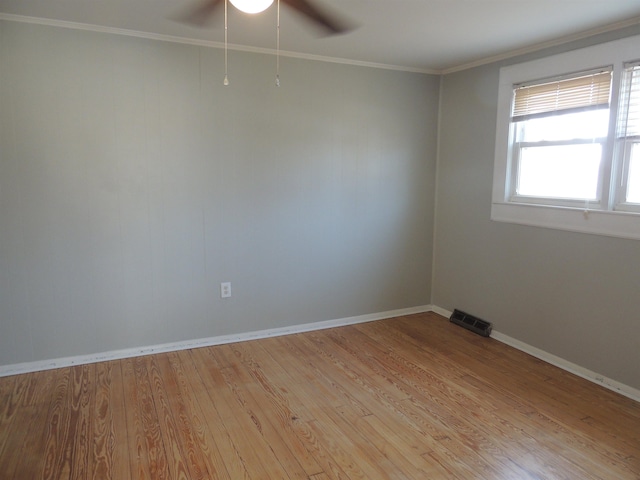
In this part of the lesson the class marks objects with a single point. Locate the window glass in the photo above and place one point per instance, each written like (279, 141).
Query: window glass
(559, 156)
(581, 125)
(633, 181)
(560, 171)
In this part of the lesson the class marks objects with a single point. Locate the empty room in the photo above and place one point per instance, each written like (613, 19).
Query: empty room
(323, 240)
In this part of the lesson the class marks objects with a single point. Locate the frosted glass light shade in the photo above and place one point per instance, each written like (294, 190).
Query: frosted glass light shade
(251, 6)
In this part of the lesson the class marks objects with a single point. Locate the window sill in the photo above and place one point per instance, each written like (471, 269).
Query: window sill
(612, 224)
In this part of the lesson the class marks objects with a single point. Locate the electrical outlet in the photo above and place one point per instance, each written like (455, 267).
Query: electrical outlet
(225, 289)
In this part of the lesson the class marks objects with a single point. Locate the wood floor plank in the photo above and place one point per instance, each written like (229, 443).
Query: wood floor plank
(179, 402)
(413, 397)
(409, 377)
(559, 410)
(28, 428)
(414, 375)
(103, 429)
(265, 400)
(319, 476)
(146, 461)
(56, 455)
(113, 454)
(12, 414)
(382, 403)
(81, 428)
(466, 433)
(257, 458)
(347, 451)
(213, 442)
(333, 415)
(328, 387)
(392, 445)
(303, 394)
(554, 409)
(163, 386)
(313, 395)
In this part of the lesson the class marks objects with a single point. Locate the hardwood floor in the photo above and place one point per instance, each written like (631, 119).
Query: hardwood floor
(413, 397)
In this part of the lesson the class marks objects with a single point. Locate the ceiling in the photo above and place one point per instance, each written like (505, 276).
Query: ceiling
(419, 35)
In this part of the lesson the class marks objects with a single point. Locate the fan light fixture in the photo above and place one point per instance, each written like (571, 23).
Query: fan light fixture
(198, 15)
(251, 6)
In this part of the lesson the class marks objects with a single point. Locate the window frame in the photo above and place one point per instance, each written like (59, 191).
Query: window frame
(623, 149)
(624, 152)
(516, 155)
(606, 216)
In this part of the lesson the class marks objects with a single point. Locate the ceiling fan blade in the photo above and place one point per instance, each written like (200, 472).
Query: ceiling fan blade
(323, 19)
(200, 14)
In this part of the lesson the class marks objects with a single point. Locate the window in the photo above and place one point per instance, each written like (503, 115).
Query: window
(560, 130)
(629, 137)
(568, 141)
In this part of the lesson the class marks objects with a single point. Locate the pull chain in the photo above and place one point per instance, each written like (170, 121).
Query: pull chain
(226, 44)
(278, 45)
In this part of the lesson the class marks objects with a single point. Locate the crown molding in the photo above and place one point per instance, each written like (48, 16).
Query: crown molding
(319, 58)
(207, 43)
(541, 46)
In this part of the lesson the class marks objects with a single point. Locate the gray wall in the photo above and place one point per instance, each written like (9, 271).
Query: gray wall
(132, 183)
(573, 295)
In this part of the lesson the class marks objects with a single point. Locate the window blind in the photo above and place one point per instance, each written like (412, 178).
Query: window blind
(578, 93)
(631, 97)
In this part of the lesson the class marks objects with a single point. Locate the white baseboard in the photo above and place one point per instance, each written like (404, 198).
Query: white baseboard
(441, 311)
(594, 377)
(27, 367)
(587, 374)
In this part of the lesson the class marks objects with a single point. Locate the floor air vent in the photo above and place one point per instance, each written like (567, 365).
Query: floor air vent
(471, 323)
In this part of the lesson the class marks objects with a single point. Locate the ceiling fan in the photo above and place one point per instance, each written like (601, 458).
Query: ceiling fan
(200, 15)
(330, 24)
